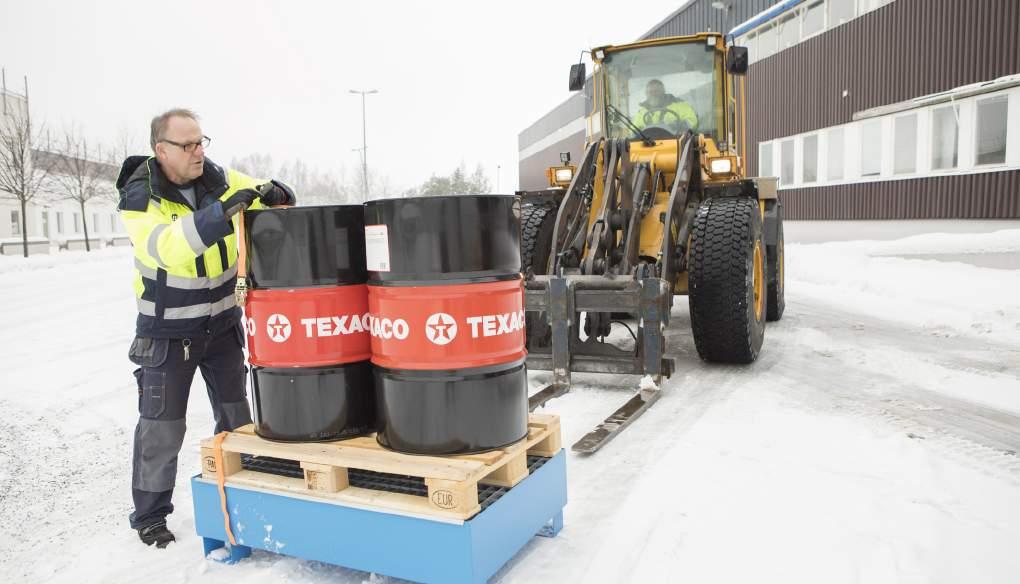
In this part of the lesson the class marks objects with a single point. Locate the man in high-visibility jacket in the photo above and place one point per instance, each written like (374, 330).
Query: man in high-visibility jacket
(180, 210)
(664, 110)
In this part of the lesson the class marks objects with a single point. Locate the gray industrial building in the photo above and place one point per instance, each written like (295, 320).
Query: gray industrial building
(865, 109)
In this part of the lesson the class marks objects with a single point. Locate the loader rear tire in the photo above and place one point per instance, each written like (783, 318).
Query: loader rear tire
(537, 222)
(727, 280)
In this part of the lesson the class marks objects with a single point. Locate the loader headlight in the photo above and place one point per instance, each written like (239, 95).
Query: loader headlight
(721, 166)
(564, 174)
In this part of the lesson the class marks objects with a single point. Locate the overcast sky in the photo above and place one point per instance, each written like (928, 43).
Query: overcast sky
(457, 81)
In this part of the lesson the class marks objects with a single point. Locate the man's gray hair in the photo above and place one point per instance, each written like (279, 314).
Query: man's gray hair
(157, 130)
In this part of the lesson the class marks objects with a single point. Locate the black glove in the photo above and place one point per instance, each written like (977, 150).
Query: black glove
(237, 201)
(276, 193)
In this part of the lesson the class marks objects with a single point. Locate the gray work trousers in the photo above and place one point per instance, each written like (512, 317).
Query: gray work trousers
(164, 379)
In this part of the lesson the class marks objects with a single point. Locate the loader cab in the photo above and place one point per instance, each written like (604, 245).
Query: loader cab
(662, 91)
(658, 89)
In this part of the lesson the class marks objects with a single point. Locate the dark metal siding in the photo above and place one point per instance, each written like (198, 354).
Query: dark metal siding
(987, 195)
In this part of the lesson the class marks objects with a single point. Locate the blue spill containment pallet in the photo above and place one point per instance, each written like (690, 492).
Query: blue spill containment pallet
(401, 532)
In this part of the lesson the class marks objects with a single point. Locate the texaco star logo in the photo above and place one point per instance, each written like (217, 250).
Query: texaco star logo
(440, 328)
(278, 328)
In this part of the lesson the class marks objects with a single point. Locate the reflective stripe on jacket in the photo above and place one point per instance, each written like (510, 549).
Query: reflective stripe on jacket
(185, 258)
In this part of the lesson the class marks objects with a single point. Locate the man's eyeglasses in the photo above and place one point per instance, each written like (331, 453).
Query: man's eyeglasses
(190, 146)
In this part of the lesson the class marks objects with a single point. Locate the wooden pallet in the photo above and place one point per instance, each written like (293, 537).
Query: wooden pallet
(452, 481)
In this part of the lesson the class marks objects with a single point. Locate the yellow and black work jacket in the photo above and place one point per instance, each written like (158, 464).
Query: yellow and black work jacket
(185, 256)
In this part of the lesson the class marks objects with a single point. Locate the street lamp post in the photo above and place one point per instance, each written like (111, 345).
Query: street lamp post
(364, 137)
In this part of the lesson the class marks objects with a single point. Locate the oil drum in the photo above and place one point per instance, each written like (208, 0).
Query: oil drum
(446, 301)
(308, 324)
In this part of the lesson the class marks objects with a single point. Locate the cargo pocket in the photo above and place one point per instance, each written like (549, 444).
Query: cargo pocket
(153, 393)
(150, 354)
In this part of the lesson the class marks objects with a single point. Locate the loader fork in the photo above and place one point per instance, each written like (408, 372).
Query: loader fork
(604, 279)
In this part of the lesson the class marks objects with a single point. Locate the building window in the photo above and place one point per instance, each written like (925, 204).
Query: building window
(60, 222)
(786, 159)
(905, 144)
(765, 159)
(840, 11)
(46, 223)
(809, 156)
(789, 31)
(814, 19)
(113, 222)
(95, 222)
(835, 157)
(796, 24)
(77, 224)
(871, 148)
(990, 144)
(866, 5)
(945, 138)
(766, 42)
(15, 223)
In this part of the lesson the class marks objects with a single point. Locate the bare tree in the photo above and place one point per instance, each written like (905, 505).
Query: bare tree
(314, 186)
(257, 165)
(125, 143)
(311, 185)
(22, 176)
(77, 174)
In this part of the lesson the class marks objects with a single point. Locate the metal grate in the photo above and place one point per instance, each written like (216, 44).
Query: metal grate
(379, 481)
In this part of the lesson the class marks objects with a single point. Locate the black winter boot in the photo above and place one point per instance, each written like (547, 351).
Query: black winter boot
(157, 533)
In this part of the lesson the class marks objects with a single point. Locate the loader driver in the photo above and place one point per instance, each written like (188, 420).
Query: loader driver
(664, 110)
(179, 208)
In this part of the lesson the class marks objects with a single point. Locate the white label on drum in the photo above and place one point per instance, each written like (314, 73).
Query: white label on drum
(377, 248)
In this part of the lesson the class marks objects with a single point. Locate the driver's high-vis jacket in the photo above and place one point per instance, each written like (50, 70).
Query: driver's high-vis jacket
(667, 116)
(185, 258)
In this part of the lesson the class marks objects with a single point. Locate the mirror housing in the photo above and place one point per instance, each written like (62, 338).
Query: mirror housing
(577, 76)
(736, 60)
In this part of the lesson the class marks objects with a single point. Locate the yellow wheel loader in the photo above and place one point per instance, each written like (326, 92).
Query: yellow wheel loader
(658, 206)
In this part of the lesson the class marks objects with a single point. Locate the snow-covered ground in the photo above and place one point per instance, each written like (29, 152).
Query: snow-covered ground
(875, 440)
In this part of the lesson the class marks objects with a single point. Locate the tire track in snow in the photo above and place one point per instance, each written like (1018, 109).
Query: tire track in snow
(821, 355)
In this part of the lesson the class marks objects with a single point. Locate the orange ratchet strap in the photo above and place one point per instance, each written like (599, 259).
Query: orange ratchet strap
(220, 482)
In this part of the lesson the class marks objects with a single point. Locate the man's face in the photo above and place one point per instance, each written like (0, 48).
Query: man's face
(655, 94)
(179, 165)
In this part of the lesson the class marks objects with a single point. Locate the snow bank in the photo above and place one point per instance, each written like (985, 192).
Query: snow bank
(952, 297)
(11, 263)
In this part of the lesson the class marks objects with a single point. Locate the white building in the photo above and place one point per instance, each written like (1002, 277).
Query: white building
(53, 223)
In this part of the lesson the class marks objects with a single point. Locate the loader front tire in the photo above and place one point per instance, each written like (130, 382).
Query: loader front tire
(727, 285)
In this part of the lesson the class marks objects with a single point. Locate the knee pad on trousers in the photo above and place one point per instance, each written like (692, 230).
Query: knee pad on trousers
(157, 443)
